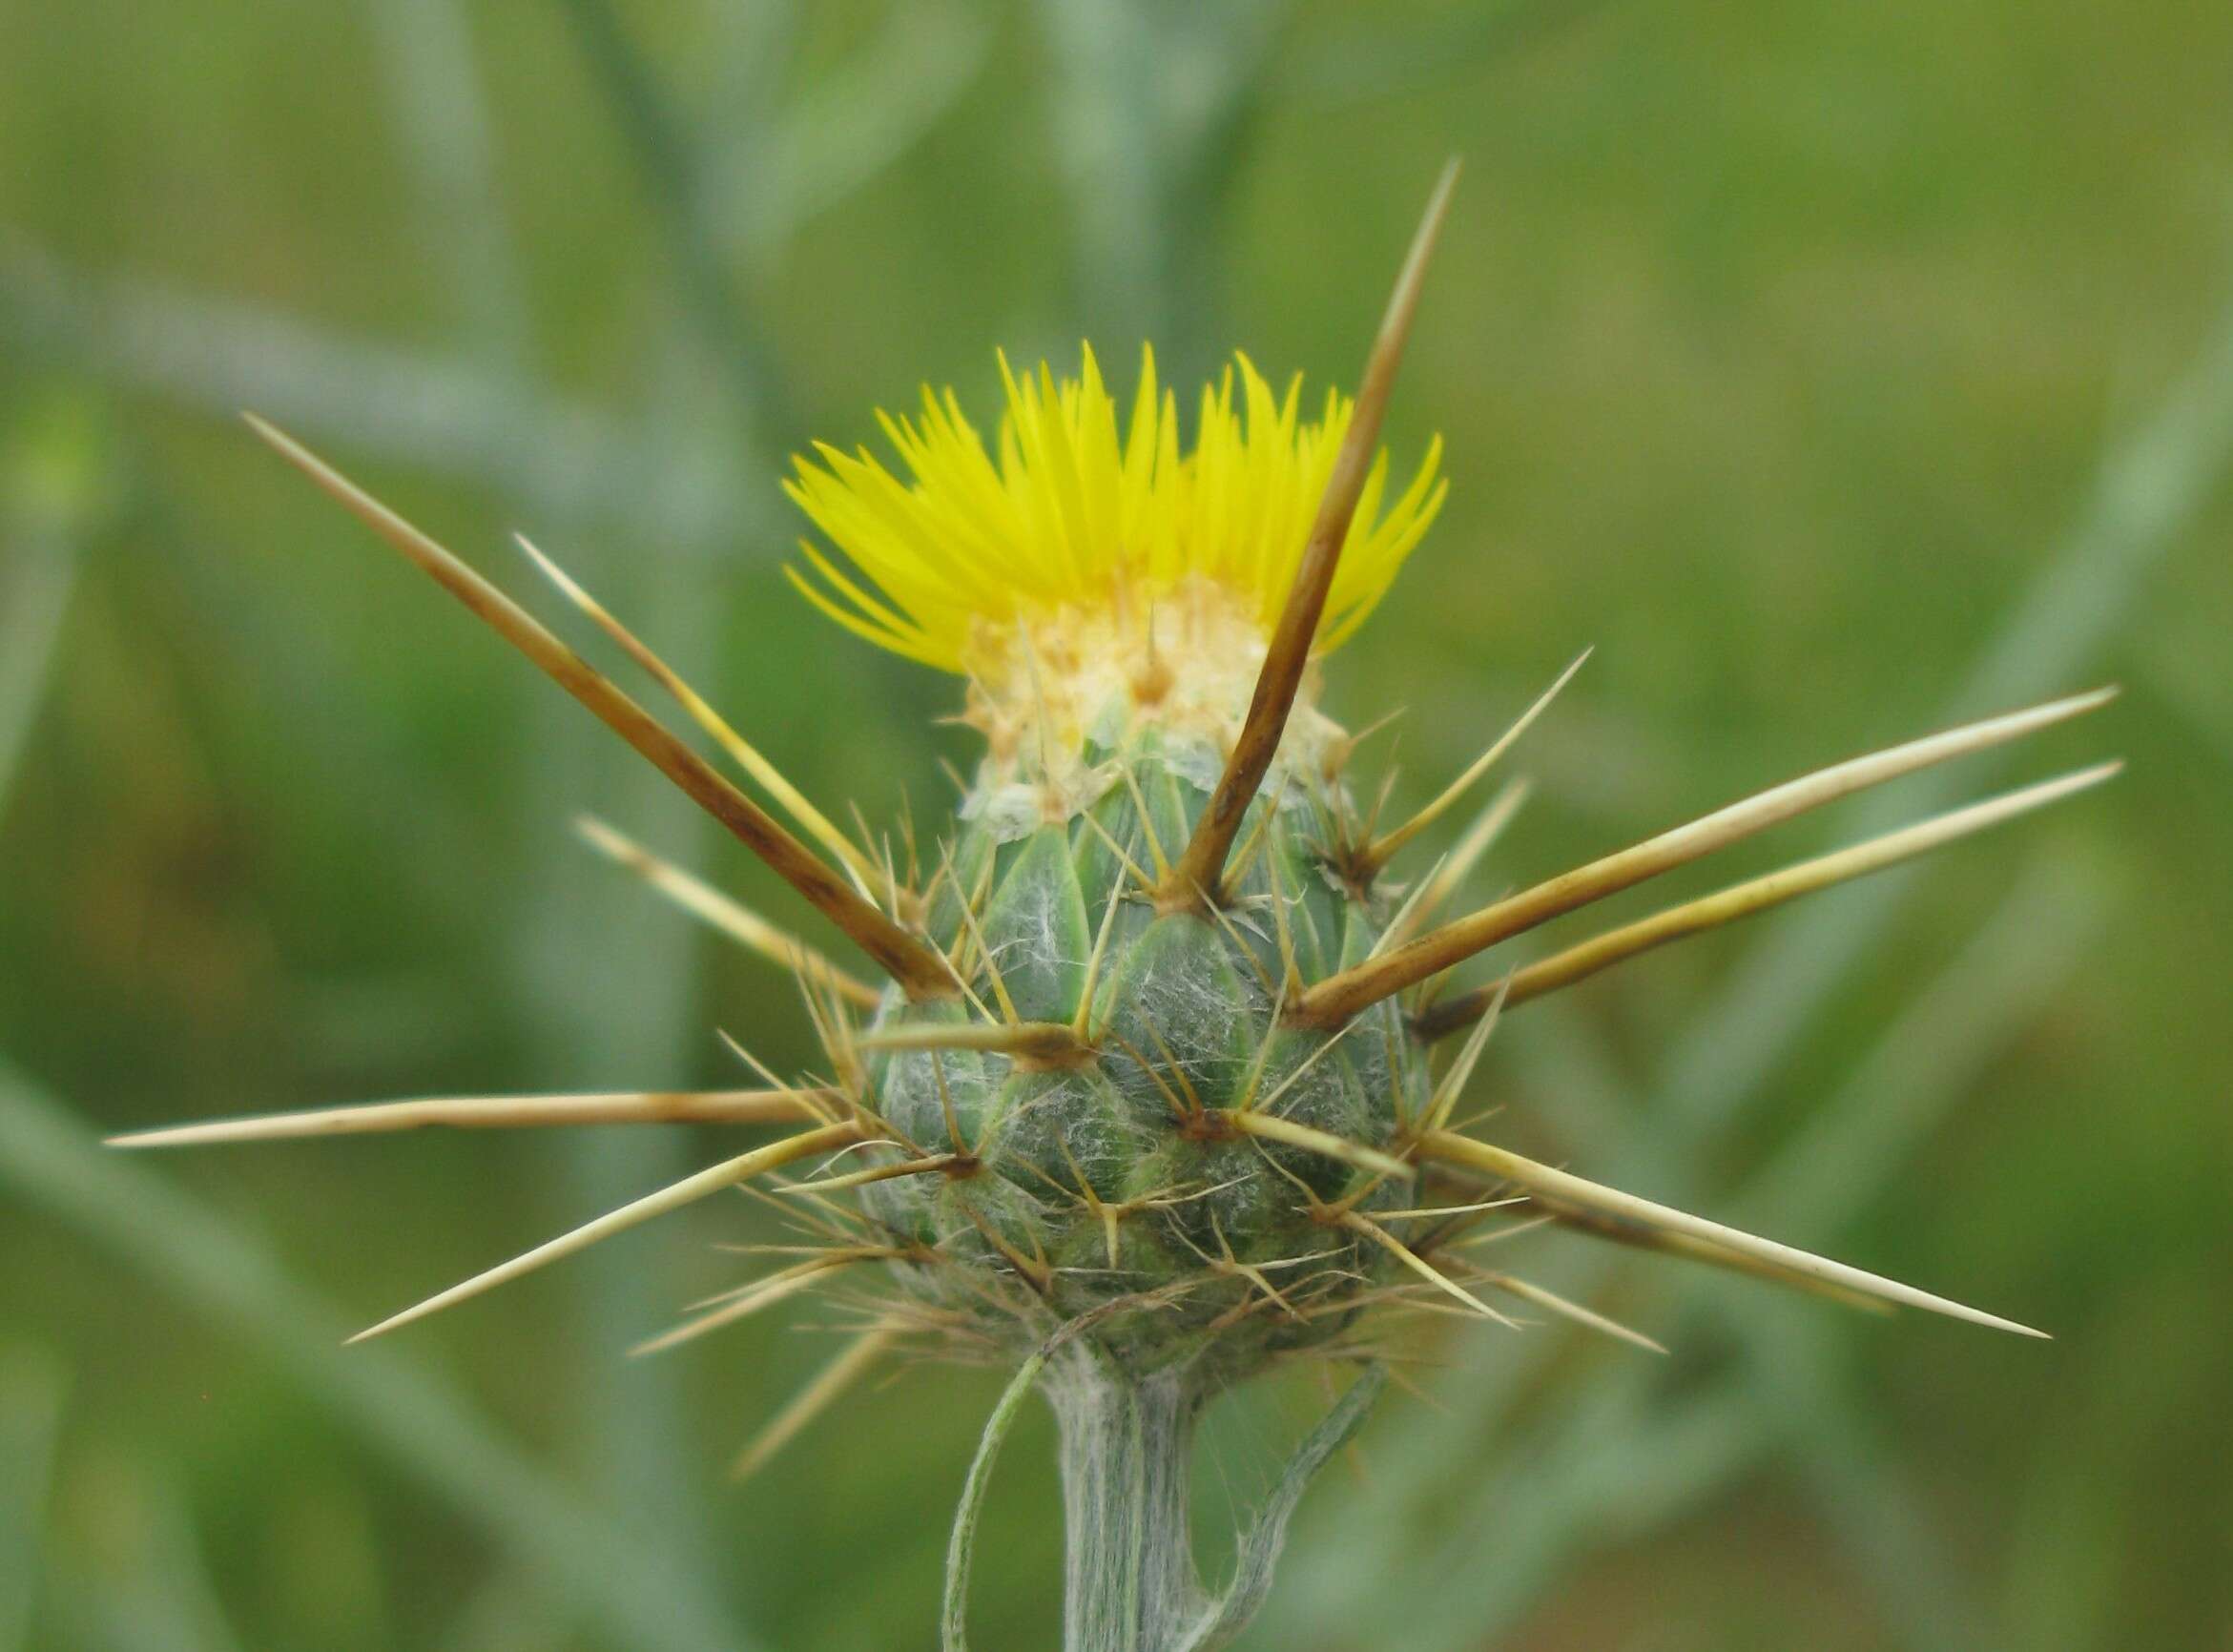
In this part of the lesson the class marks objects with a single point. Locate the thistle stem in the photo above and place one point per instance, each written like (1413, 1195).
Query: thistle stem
(1130, 1584)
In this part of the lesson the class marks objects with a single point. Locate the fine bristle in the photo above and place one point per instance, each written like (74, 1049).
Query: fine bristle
(778, 1286)
(1565, 1189)
(718, 911)
(741, 751)
(1457, 866)
(1421, 1266)
(1566, 1308)
(829, 1386)
(909, 961)
(672, 1197)
(1272, 1127)
(974, 933)
(1082, 1023)
(924, 1166)
(1757, 894)
(1201, 869)
(1377, 853)
(1335, 999)
(493, 1113)
(1444, 1100)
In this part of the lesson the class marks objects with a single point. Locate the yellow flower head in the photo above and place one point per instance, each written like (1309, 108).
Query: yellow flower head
(1073, 511)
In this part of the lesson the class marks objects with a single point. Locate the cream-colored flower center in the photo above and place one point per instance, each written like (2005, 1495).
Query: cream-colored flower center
(1061, 698)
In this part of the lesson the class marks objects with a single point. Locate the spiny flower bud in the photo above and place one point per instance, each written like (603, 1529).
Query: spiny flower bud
(1115, 1110)
(1146, 1101)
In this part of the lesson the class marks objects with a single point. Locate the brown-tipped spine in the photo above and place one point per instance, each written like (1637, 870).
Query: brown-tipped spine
(910, 960)
(1200, 870)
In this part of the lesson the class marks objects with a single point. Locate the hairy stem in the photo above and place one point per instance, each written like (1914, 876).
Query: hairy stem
(1131, 1583)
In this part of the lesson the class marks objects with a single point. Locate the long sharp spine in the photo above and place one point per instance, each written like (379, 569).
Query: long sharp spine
(672, 1197)
(1338, 997)
(493, 1113)
(829, 1385)
(1200, 871)
(1563, 1187)
(1755, 896)
(911, 963)
(746, 756)
(738, 922)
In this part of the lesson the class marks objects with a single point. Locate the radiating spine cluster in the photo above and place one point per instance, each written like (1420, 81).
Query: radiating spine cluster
(1152, 1073)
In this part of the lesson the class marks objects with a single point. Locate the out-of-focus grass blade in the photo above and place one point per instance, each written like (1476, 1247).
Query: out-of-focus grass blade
(434, 413)
(328, 742)
(673, 165)
(441, 122)
(33, 1388)
(2196, 691)
(51, 1161)
(1862, 1494)
(512, 1612)
(53, 477)
(32, 604)
(1928, 1059)
(1369, 60)
(1594, 1475)
(1557, 1053)
(1146, 152)
(851, 123)
(2151, 486)
(144, 1585)
(2070, 1542)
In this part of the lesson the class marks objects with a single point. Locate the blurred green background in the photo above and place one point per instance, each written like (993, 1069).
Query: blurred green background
(1837, 371)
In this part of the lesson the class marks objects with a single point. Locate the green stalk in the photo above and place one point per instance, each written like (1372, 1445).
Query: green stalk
(1127, 1445)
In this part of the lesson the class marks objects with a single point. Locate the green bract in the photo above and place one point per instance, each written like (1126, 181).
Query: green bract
(1125, 1165)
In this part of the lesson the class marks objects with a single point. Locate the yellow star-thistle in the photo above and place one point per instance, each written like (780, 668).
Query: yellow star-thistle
(1147, 1104)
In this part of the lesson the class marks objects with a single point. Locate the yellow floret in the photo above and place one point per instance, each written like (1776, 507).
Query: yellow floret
(1070, 512)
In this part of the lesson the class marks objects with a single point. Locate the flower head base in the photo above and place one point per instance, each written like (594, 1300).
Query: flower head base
(1074, 512)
